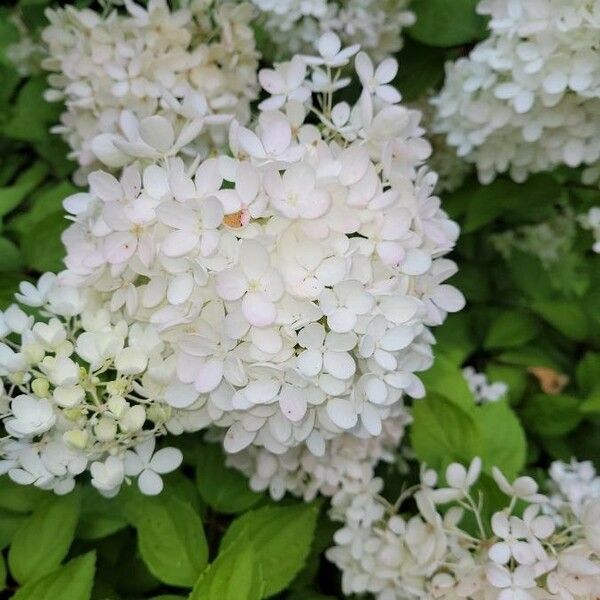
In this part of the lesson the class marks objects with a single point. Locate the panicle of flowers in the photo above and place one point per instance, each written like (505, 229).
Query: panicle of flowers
(527, 99)
(27, 53)
(549, 240)
(591, 222)
(484, 391)
(437, 552)
(195, 67)
(80, 391)
(346, 462)
(294, 25)
(296, 277)
(572, 486)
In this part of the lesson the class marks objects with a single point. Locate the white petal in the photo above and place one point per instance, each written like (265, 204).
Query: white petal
(342, 413)
(157, 132)
(166, 460)
(150, 483)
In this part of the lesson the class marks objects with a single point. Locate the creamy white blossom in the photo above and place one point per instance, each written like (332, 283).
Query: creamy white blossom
(80, 388)
(527, 99)
(483, 390)
(294, 25)
(519, 554)
(195, 67)
(295, 279)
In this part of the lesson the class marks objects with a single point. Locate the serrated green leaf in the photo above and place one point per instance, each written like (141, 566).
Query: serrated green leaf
(234, 575)
(223, 489)
(281, 536)
(74, 581)
(443, 432)
(44, 539)
(444, 23)
(170, 538)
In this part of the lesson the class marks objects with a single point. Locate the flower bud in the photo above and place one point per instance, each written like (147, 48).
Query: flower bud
(76, 438)
(133, 419)
(105, 430)
(40, 387)
(116, 405)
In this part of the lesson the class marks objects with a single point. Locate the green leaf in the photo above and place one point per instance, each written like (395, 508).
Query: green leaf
(19, 498)
(9, 524)
(170, 538)
(12, 196)
(100, 516)
(74, 581)
(234, 575)
(443, 432)
(422, 69)
(549, 415)
(510, 329)
(447, 23)
(44, 539)
(446, 379)
(567, 316)
(223, 489)
(588, 372)
(514, 377)
(505, 445)
(42, 246)
(9, 284)
(10, 256)
(455, 339)
(282, 537)
(2, 573)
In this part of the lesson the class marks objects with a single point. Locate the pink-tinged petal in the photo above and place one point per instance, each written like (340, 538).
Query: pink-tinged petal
(231, 284)
(258, 309)
(271, 81)
(292, 402)
(179, 243)
(105, 186)
(391, 253)
(119, 247)
(315, 204)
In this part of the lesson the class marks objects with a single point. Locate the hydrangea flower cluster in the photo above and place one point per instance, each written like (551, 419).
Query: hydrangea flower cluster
(195, 66)
(347, 462)
(295, 280)
(518, 553)
(294, 25)
(484, 391)
(527, 99)
(572, 486)
(80, 392)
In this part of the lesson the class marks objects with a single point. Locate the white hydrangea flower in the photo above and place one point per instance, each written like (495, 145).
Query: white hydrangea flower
(527, 99)
(324, 469)
(294, 25)
(195, 67)
(393, 555)
(293, 279)
(484, 391)
(80, 388)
